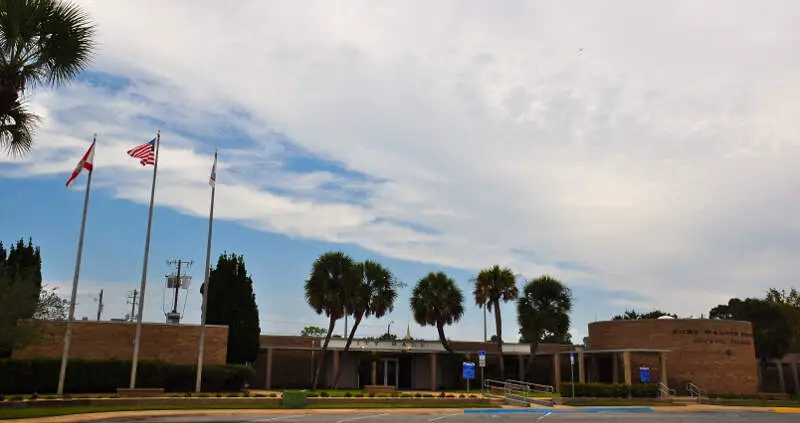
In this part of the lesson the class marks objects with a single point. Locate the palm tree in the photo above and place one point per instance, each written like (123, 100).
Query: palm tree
(437, 301)
(42, 43)
(493, 285)
(543, 312)
(333, 279)
(374, 296)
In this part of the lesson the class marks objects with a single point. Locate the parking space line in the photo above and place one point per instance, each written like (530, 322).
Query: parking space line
(362, 417)
(547, 414)
(270, 419)
(443, 417)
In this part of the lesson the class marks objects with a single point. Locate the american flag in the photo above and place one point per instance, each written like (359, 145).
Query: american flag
(213, 179)
(145, 152)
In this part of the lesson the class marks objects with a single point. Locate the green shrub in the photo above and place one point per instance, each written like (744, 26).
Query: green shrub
(348, 394)
(98, 376)
(602, 390)
(324, 394)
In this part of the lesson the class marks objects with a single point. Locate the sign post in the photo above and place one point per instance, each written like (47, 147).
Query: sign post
(572, 372)
(468, 372)
(482, 364)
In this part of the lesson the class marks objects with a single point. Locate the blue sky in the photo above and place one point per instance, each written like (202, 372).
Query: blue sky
(646, 172)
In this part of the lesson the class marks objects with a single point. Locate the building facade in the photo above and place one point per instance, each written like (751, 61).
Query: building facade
(104, 340)
(717, 355)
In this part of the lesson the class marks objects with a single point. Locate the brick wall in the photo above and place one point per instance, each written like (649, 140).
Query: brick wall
(94, 340)
(715, 354)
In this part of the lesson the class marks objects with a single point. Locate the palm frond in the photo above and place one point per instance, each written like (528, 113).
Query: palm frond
(17, 129)
(437, 299)
(333, 279)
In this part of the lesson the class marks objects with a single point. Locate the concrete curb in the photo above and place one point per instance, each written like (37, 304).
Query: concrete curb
(89, 417)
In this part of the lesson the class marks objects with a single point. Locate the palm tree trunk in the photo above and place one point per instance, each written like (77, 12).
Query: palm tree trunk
(529, 367)
(498, 321)
(442, 339)
(321, 364)
(358, 318)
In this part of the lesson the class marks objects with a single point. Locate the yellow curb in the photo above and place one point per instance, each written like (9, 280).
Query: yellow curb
(789, 410)
(74, 418)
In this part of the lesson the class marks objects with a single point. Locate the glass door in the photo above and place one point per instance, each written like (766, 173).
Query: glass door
(391, 371)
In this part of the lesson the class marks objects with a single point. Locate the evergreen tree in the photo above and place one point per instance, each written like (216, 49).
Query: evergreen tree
(20, 286)
(232, 302)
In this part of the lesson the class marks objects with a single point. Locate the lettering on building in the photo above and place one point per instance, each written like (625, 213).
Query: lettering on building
(715, 336)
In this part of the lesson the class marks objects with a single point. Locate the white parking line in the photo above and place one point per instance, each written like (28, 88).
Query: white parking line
(545, 415)
(270, 419)
(443, 417)
(362, 417)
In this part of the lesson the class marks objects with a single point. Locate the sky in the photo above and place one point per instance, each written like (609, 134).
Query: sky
(642, 152)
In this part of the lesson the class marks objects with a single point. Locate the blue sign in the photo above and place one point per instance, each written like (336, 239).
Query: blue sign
(571, 356)
(481, 353)
(468, 370)
(644, 374)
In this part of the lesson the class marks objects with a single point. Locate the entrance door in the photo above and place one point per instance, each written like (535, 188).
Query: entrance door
(390, 371)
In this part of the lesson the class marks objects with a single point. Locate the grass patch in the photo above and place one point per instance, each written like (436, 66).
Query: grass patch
(367, 404)
(36, 412)
(620, 403)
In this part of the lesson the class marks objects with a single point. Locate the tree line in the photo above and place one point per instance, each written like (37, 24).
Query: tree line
(23, 296)
(338, 286)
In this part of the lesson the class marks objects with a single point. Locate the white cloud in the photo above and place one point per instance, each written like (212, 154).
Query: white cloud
(650, 142)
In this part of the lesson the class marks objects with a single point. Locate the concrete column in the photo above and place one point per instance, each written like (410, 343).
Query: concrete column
(269, 369)
(521, 372)
(662, 364)
(434, 368)
(335, 364)
(781, 380)
(796, 378)
(581, 368)
(626, 363)
(614, 368)
(374, 375)
(556, 371)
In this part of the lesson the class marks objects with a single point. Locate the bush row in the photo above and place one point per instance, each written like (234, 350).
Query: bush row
(24, 376)
(324, 394)
(603, 390)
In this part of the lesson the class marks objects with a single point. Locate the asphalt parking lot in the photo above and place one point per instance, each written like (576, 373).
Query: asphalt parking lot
(377, 417)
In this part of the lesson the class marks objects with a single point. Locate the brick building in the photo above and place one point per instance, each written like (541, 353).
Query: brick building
(717, 355)
(103, 340)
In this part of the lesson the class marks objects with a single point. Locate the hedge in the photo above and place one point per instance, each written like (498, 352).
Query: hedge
(603, 390)
(23, 376)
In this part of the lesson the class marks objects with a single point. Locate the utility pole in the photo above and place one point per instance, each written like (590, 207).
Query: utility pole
(99, 305)
(177, 284)
(132, 300)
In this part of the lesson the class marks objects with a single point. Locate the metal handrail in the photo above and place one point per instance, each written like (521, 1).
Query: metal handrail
(665, 390)
(696, 391)
(534, 386)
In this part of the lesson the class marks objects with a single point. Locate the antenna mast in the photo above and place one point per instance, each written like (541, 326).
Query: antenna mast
(177, 281)
(132, 300)
(99, 300)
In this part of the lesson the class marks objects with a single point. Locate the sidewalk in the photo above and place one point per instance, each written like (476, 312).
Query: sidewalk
(73, 418)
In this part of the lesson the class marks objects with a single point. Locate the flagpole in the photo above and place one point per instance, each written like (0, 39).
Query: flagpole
(201, 349)
(68, 333)
(137, 340)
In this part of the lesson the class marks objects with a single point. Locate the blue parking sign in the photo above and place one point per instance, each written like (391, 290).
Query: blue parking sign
(468, 370)
(481, 353)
